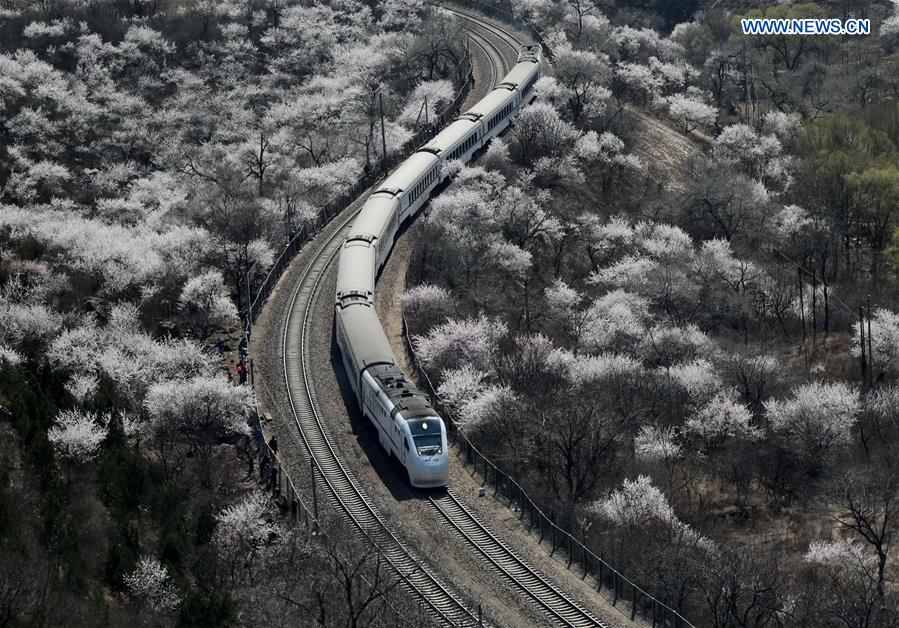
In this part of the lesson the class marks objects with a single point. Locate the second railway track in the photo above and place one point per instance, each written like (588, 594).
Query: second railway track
(554, 603)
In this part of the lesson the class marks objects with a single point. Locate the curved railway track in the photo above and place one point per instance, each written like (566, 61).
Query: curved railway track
(510, 40)
(554, 603)
(342, 487)
(497, 63)
(332, 472)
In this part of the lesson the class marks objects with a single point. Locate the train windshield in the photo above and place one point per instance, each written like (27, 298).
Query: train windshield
(427, 435)
(428, 445)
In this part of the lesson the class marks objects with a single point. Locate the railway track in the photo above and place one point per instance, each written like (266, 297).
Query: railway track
(331, 470)
(497, 63)
(342, 487)
(509, 40)
(558, 607)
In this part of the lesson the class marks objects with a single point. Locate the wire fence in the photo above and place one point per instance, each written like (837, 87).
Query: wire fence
(276, 483)
(576, 554)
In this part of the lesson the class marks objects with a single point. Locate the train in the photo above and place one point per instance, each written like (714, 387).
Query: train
(408, 426)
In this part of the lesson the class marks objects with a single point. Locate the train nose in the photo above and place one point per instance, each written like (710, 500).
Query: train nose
(433, 471)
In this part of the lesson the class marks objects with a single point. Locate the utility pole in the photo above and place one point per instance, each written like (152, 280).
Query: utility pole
(864, 361)
(814, 307)
(383, 133)
(249, 299)
(870, 350)
(801, 304)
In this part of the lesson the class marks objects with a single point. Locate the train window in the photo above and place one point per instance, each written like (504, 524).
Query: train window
(428, 444)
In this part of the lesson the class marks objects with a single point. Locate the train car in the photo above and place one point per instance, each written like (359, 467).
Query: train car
(412, 182)
(408, 426)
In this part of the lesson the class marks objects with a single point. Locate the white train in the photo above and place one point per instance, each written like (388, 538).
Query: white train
(408, 427)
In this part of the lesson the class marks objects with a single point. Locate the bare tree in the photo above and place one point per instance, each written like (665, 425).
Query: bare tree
(870, 510)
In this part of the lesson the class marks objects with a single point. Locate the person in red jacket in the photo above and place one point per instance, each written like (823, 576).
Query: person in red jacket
(241, 369)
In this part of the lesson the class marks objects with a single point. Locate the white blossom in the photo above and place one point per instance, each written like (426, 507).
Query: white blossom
(496, 157)
(509, 257)
(844, 554)
(884, 339)
(82, 385)
(200, 404)
(428, 298)
(20, 323)
(151, 585)
(461, 384)
(883, 404)
(789, 222)
(488, 404)
(639, 504)
(784, 126)
(656, 444)
(130, 358)
(438, 94)
(245, 531)
(78, 435)
(457, 342)
(54, 28)
(10, 356)
(666, 346)
(636, 504)
(816, 418)
(698, 379)
(616, 319)
(205, 301)
(606, 369)
(541, 132)
(722, 419)
(890, 26)
(690, 112)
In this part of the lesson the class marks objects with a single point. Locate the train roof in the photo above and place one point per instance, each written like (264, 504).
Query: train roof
(365, 335)
(492, 102)
(375, 217)
(355, 270)
(405, 395)
(520, 74)
(408, 172)
(449, 137)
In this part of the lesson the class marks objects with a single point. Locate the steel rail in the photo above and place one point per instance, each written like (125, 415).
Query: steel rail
(509, 38)
(307, 418)
(350, 498)
(560, 607)
(496, 68)
(445, 605)
(548, 597)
